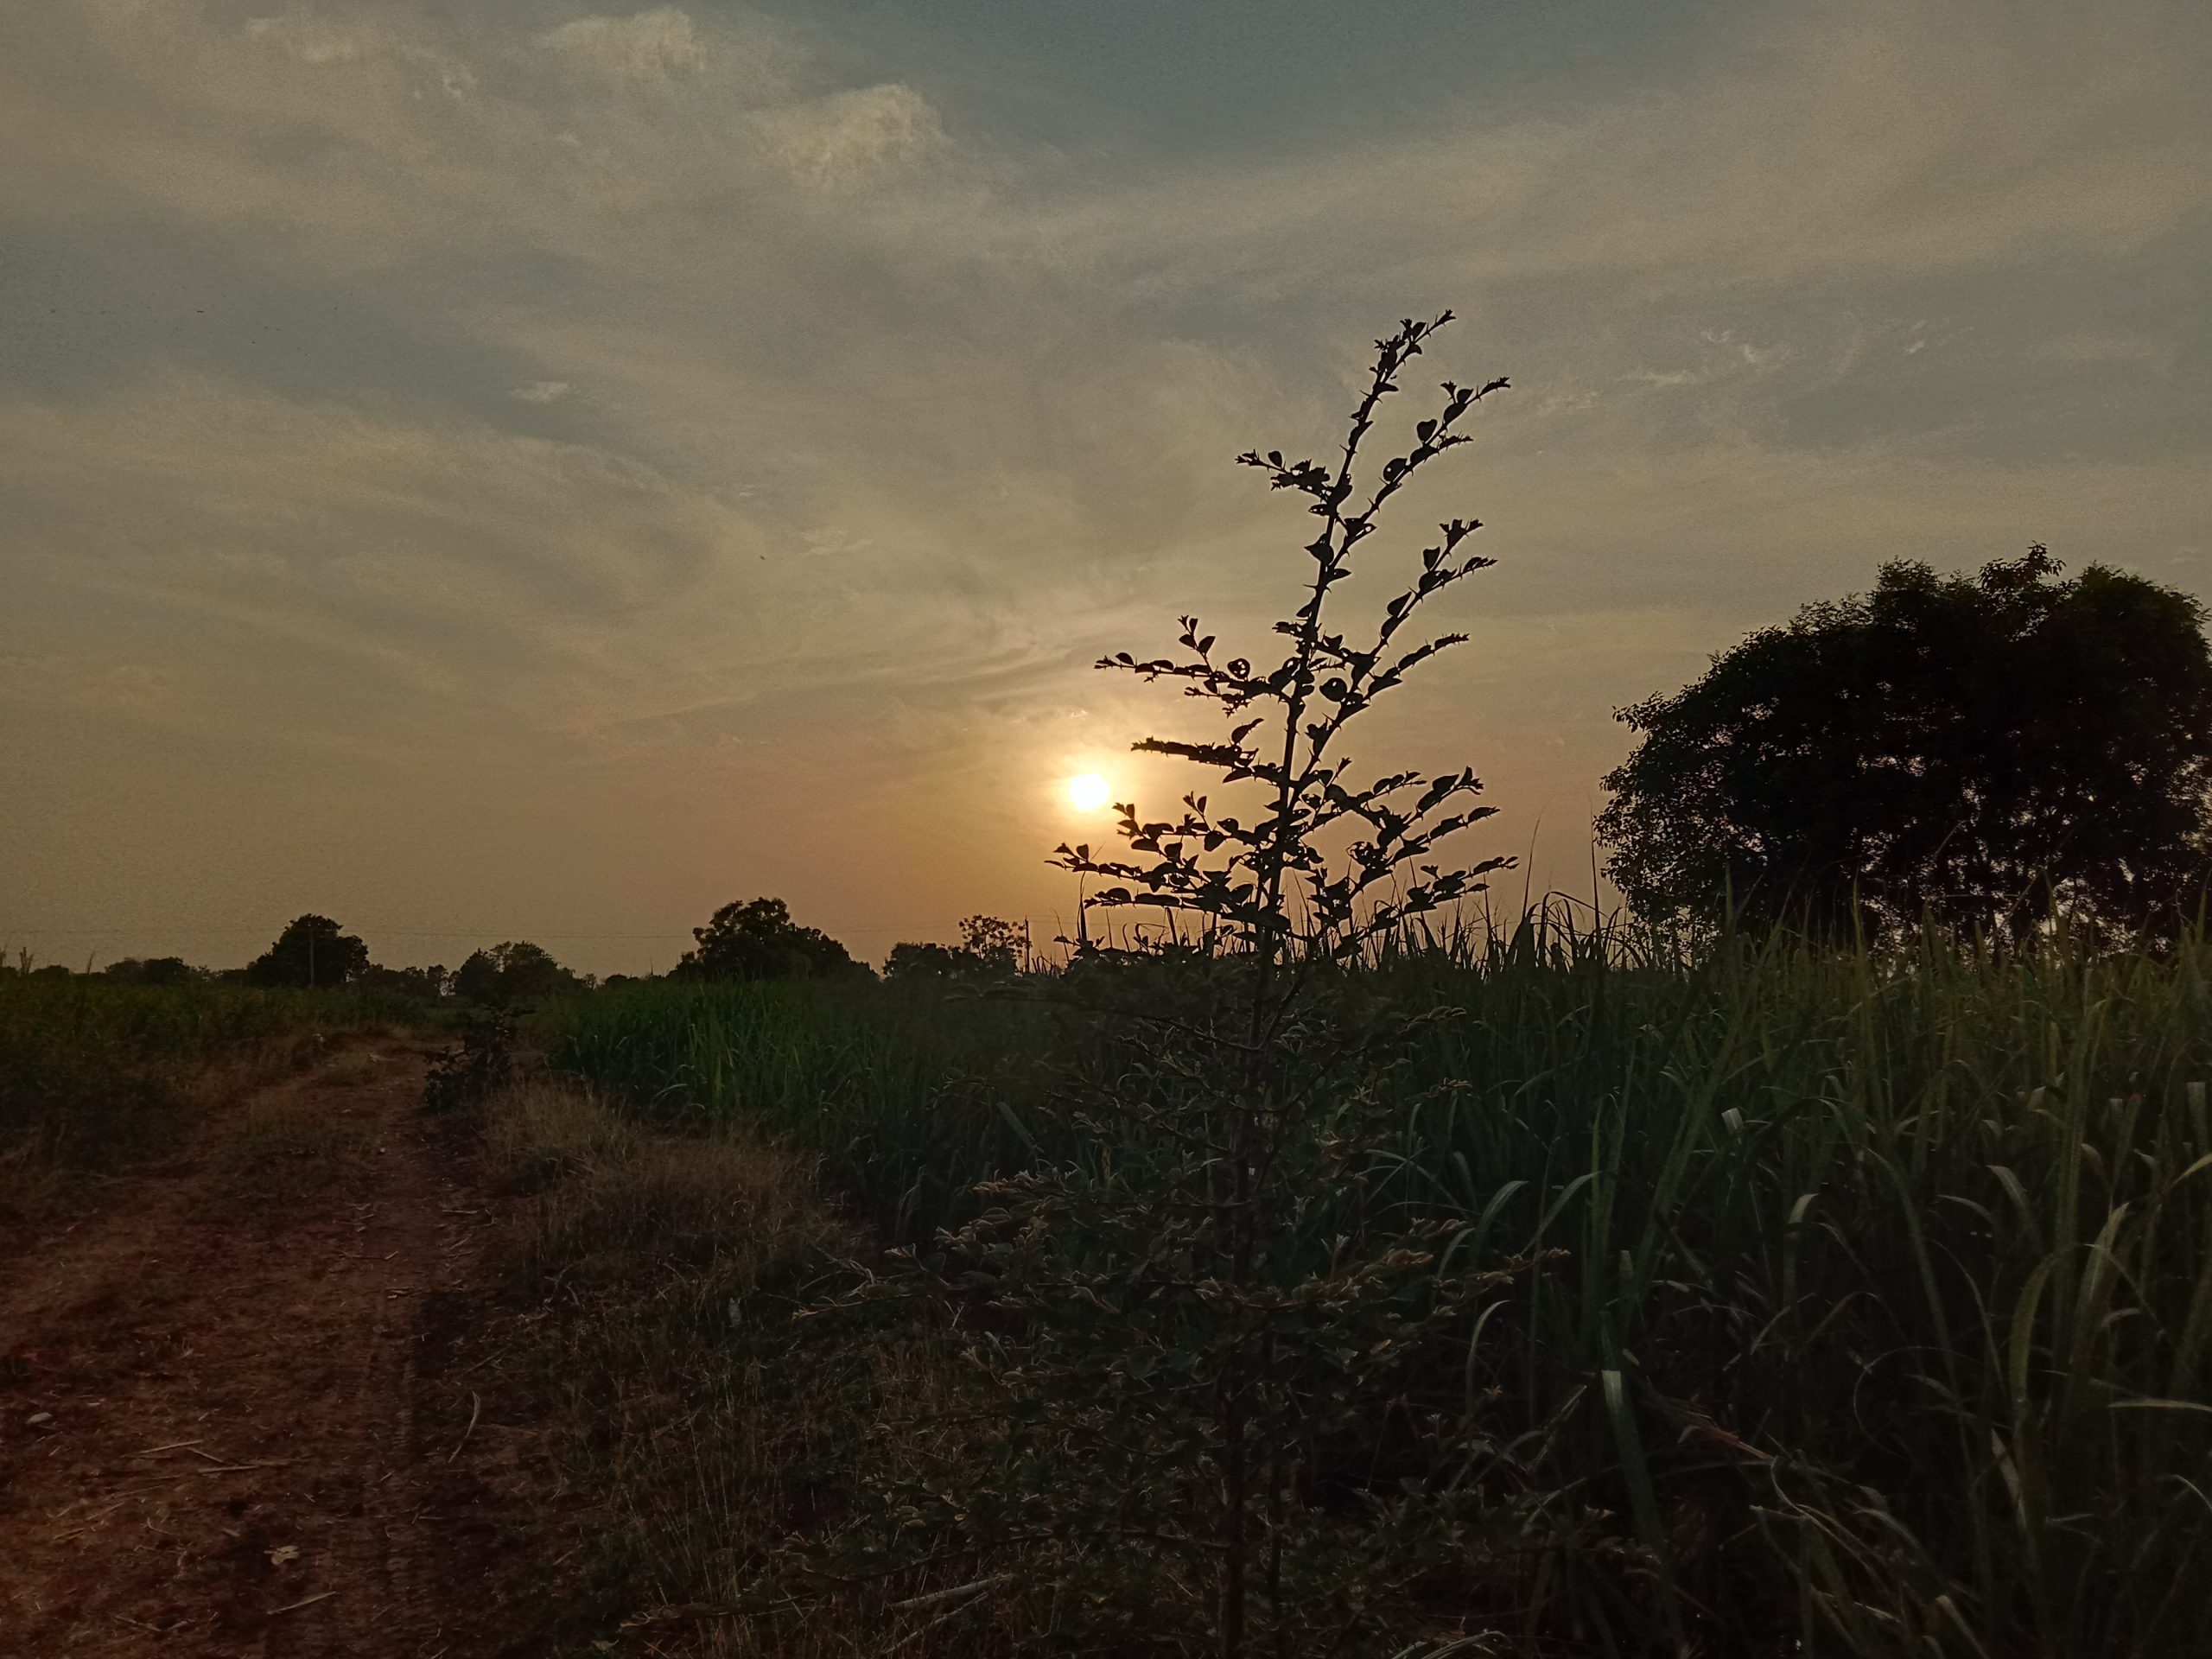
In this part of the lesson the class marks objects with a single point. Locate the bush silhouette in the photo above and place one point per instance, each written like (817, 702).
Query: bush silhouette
(1195, 1312)
(423, 984)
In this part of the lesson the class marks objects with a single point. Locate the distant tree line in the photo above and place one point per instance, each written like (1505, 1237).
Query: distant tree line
(756, 939)
(989, 949)
(313, 952)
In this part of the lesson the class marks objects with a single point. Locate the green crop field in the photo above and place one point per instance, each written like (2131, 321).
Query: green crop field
(93, 1072)
(1864, 1301)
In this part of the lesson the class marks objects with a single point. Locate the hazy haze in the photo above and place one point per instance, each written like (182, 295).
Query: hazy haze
(497, 471)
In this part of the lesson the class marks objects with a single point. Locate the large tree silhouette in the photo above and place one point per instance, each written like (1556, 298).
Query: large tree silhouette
(758, 940)
(515, 971)
(310, 952)
(1991, 751)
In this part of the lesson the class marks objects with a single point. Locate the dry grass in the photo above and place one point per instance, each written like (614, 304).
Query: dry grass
(703, 1422)
(285, 1145)
(609, 1197)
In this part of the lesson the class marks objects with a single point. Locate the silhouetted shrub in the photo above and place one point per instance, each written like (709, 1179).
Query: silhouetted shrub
(152, 970)
(1201, 1309)
(483, 1063)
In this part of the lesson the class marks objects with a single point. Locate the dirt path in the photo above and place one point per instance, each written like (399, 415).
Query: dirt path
(231, 1402)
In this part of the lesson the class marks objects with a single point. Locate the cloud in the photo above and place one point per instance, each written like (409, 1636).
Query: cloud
(435, 556)
(1875, 138)
(645, 46)
(2112, 347)
(312, 41)
(849, 137)
(151, 693)
(375, 144)
(542, 391)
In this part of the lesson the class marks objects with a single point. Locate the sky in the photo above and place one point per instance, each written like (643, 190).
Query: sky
(504, 470)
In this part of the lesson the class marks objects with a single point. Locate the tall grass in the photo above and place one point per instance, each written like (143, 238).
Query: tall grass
(902, 1095)
(1931, 1236)
(1884, 1320)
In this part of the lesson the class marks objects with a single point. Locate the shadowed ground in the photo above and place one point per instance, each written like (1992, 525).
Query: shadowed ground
(234, 1412)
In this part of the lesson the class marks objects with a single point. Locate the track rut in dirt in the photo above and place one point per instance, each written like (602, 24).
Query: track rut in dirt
(234, 1411)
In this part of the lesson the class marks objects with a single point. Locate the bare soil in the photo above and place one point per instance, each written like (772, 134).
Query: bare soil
(236, 1415)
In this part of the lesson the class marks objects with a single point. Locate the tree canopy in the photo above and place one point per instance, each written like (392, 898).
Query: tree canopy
(309, 952)
(514, 971)
(1989, 750)
(758, 940)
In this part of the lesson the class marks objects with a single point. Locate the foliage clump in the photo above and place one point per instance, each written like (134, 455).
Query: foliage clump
(1993, 752)
(428, 984)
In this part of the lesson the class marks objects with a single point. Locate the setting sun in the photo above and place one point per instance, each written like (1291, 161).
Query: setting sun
(1088, 793)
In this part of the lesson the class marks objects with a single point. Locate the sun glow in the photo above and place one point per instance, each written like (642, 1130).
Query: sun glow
(1087, 792)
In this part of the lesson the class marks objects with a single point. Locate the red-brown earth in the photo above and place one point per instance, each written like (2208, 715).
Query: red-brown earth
(237, 1414)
